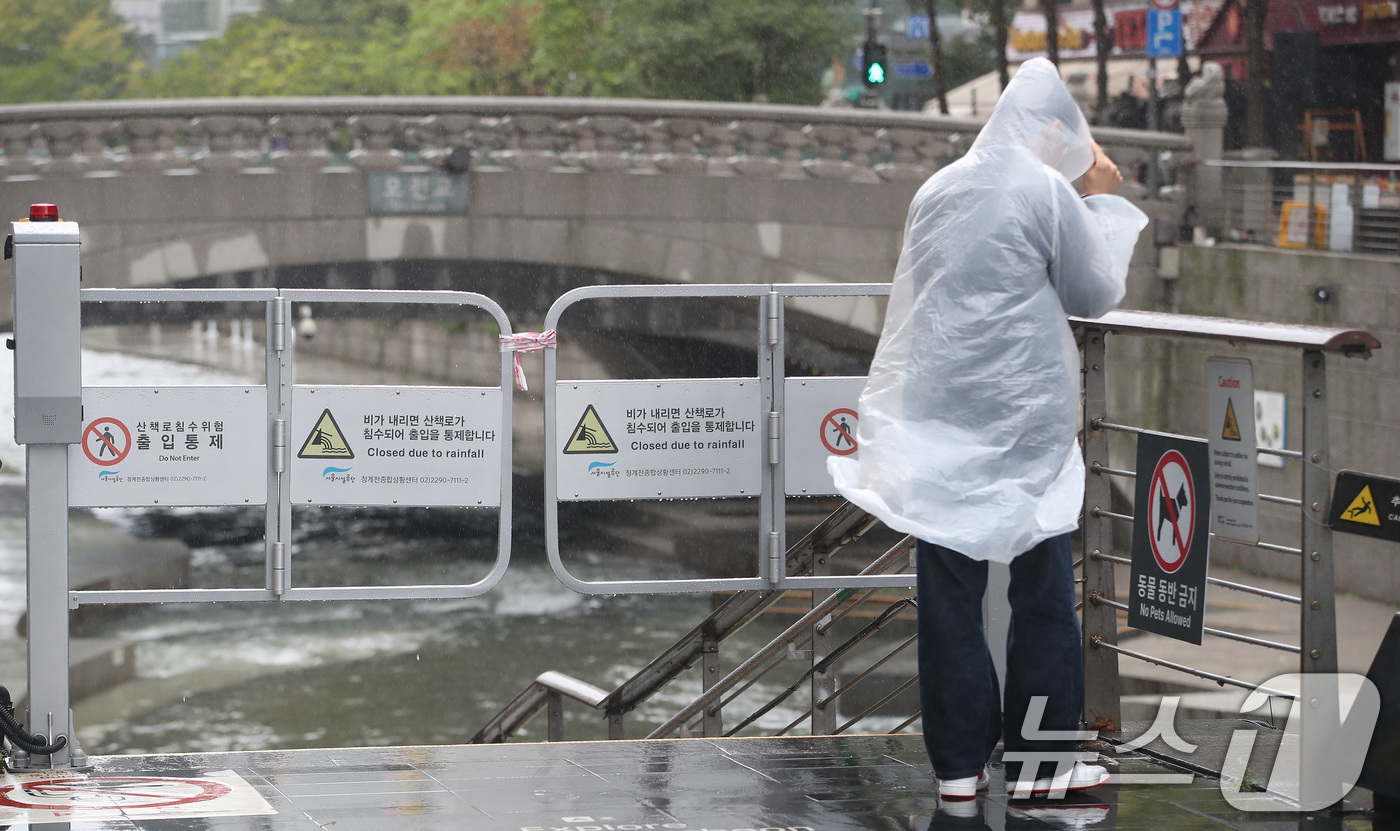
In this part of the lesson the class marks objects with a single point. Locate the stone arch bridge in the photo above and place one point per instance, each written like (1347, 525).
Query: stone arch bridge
(559, 192)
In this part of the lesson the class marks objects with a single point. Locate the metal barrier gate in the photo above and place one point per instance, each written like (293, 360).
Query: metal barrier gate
(698, 438)
(231, 445)
(291, 415)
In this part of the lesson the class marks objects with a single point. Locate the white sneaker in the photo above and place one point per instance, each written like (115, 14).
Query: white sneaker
(1078, 778)
(965, 788)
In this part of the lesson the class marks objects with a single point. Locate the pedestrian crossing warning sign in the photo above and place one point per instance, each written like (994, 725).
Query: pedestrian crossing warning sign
(325, 441)
(1231, 430)
(589, 435)
(1363, 509)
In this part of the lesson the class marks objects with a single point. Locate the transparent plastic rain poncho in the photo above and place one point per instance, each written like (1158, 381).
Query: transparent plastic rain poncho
(968, 420)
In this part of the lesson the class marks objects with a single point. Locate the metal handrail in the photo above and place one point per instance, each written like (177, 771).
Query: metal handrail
(1199, 673)
(845, 525)
(1288, 165)
(1318, 634)
(1163, 324)
(1216, 581)
(1219, 633)
(772, 647)
(842, 527)
(823, 665)
(544, 691)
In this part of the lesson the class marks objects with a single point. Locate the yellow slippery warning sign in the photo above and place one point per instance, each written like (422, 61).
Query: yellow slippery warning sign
(1363, 509)
(325, 441)
(1232, 425)
(589, 435)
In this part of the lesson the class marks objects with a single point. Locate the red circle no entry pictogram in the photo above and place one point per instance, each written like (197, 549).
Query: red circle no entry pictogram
(102, 445)
(109, 792)
(842, 438)
(1171, 507)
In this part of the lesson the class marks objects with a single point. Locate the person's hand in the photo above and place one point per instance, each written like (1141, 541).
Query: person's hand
(1103, 177)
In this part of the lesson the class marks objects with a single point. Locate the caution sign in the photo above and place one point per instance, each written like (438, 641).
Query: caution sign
(171, 446)
(398, 445)
(106, 441)
(1171, 537)
(325, 441)
(1234, 512)
(1367, 505)
(590, 435)
(1363, 509)
(36, 798)
(1231, 430)
(659, 439)
(819, 423)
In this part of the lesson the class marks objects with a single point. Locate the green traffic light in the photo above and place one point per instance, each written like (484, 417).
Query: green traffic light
(875, 74)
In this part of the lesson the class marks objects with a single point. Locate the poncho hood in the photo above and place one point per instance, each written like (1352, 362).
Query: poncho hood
(1037, 112)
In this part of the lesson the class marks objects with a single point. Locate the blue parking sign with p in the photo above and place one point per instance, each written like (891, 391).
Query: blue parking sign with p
(1164, 33)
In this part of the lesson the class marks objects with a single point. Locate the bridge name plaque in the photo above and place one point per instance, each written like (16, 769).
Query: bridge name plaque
(400, 194)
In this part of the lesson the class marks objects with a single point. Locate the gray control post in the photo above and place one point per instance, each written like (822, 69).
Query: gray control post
(48, 418)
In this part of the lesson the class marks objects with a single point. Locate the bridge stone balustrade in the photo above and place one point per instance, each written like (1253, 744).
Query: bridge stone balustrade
(237, 191)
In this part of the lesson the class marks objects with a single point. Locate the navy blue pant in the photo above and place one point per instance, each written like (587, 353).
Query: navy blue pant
(963, 715)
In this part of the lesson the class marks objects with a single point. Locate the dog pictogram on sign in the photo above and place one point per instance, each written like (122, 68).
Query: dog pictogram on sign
(1172, 501)
(106, 441)
(838, 431)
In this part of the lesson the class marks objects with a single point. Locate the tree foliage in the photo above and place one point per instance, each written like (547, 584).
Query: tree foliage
(727, 50)
(736, 50)
(63, 50)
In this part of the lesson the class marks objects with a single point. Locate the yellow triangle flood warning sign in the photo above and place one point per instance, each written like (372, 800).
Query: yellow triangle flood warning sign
(1232, 426)
(590, 436)
(1363, 509)
(325, 440)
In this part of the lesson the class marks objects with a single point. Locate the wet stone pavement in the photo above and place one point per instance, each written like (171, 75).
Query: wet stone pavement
(754, 784)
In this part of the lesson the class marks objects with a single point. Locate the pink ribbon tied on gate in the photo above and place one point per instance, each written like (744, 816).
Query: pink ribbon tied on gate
(527, 342)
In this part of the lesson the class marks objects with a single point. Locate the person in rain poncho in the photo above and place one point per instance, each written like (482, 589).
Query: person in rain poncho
(968, 421)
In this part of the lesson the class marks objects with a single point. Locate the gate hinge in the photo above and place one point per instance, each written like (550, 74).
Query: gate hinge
(774, 309)
(775, 556)
(775, 437)
(279, 568)
(279, 324)
(279, 445)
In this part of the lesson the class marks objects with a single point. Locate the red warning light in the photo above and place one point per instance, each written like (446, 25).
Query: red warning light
(43, 212)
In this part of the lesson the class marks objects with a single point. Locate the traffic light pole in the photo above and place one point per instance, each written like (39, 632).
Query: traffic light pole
(1154, 176)
(873, 65)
